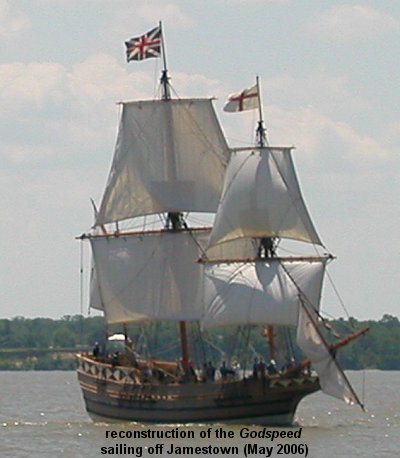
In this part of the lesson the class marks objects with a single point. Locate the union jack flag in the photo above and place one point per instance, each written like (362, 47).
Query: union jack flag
(145, 46)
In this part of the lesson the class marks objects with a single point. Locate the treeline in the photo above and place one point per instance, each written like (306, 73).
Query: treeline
(46, 344)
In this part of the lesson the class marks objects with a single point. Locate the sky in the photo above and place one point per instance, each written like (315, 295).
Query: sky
(330, 86)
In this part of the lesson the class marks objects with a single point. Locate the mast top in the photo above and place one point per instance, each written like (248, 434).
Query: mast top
(261, 131)
(166, 89)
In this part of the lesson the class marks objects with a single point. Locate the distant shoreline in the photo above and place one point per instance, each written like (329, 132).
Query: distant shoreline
(46, 344)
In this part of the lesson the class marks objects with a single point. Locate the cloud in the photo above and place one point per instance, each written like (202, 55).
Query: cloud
(58, 108)
(11, 23)
(167, 12)
(346, 23)
(66, 110)
(330, 93)
(343, 149)
(317, 113)
(132, 20)
(30, 84)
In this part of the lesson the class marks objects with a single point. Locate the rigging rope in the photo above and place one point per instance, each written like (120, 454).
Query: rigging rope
(338, 296)
(81, 279)
(81, 292)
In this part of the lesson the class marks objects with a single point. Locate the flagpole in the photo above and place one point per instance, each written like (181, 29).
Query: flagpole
(261, 131)
(164, 74)
(260, 108)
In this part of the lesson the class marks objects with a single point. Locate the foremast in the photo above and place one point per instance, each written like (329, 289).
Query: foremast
(266, 245)
(266, 249)
(262, 202)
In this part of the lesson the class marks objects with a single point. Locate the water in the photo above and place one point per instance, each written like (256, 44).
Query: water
(42, 415)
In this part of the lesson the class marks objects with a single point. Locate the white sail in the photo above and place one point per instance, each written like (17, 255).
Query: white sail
(260, 292)
(170, 156)
(95, 301)
(262, 198)
(234, 250)
(150, 276)
(309, 340)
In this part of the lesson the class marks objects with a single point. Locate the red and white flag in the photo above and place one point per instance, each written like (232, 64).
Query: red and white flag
(245, 100)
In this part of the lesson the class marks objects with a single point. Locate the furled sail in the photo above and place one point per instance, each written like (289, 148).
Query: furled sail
(266, 291)
(153, 276)
(262, 198)
(170, 156)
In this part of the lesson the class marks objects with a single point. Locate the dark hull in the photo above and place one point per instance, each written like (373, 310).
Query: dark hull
(112, 393)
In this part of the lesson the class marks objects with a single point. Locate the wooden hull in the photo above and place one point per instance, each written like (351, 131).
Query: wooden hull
(112, 393)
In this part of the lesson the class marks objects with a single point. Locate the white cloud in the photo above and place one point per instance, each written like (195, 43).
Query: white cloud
(353, 22)
(316, 113)
(134, 19)
(330, 93)
(74, 109)
(101, 77)
(63, 111)
(196, 85)
(59, 109)
(343, 148)
(167, 12)
(30, 84)
(11, 23)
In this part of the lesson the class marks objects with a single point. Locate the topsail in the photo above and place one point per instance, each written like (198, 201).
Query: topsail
(170, 156)
(262, 198)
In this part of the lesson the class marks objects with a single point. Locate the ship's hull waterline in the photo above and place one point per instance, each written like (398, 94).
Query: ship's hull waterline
(111, 393)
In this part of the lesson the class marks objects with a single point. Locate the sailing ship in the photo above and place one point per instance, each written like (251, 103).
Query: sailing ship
(172, 161)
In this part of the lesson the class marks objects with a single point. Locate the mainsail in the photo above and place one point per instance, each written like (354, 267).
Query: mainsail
(170, 156)
(150, 277)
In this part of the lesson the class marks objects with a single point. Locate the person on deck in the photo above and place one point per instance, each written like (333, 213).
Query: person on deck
(224, 370)
(271, 368)
(267, 248)
(96, 350)
(255, 368)
(210, 372)
(261, 370)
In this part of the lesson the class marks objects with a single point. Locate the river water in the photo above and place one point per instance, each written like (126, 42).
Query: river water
(42, 415)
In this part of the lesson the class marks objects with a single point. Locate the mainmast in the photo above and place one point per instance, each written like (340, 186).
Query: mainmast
(174, 221)
(166, 90)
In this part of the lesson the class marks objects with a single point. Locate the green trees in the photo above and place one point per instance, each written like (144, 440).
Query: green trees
(42, 343)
